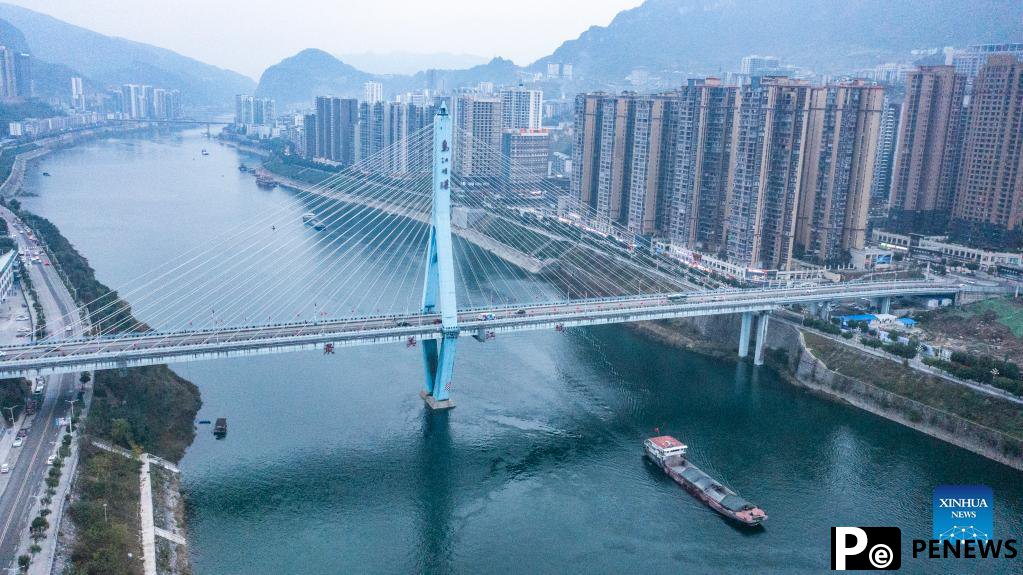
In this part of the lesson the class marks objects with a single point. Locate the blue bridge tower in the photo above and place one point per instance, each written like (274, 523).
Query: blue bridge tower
(439, 287)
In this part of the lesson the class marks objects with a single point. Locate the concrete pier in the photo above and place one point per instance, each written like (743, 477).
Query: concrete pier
(434, 403)
(758, 355)
(744, 335)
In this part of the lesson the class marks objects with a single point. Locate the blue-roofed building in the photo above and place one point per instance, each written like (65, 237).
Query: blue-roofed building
(867, 317)
(908, 322)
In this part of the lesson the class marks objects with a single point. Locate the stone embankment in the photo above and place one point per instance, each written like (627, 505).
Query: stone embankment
(795, 361)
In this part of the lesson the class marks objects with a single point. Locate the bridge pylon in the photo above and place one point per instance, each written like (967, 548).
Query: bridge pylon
(439, 285)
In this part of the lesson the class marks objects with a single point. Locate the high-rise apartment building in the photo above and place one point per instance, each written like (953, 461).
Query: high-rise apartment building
(768, 138)
(373, 128)
(752, 173)
(372, 92)
(411, 147)
(927, 155)
(643, 179)
(618, 167)
(166, 104)
(756, 65)
(477, 138)
(838, 170)
(133, 101)
(968, 61)
(697, 163)
(309, 136)
(600, 154)
(252, 111)
(885, 158)
(521, 109)
(988, 207)
(77, 93)
(336, 122)
(15, 74)
(526, 153)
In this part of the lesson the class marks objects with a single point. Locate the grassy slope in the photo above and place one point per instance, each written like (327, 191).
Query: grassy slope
(981, 408)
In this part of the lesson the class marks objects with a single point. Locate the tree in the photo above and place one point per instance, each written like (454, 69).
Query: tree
(38, 527)
(35, 548)
(120, 432)
(85, 378)
(24, 560)
(14, 204)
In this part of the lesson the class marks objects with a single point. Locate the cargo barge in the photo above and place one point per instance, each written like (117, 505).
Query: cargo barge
(670, 455)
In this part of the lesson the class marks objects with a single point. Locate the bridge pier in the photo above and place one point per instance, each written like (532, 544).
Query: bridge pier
(758, 354)
(439, 361)
(884, 305)
(744, 334)
(439, 284)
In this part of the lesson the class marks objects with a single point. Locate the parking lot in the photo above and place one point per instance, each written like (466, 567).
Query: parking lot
(15, 327)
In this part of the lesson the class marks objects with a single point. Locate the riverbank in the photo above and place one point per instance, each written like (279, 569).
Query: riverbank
(985, 425)
(13, 169)
(147, 409)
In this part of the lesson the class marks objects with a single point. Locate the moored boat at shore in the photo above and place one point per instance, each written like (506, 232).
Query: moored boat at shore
(265, 181)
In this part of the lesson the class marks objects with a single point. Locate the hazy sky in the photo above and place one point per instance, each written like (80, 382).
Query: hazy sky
(249, 35)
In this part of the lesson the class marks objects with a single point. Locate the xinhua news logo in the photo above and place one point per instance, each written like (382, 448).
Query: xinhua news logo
(866, 548)
(963, 527)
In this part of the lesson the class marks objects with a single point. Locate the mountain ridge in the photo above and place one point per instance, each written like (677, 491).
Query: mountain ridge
(110, 60)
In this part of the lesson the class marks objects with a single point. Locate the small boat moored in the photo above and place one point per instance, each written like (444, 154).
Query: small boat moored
(266, 182)
(220, 428)
(670, 455)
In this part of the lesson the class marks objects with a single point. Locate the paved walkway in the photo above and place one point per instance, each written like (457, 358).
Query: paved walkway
(171, 536)
(148, 523)
(146, 513)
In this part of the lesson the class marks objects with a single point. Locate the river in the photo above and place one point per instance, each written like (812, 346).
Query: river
(332, 464)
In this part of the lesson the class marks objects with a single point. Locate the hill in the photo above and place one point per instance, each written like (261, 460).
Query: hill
(708, 36)
(297, 80)
(107, 60)
(310, 73)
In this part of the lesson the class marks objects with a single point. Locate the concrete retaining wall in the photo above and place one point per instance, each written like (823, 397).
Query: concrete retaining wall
(720, 335)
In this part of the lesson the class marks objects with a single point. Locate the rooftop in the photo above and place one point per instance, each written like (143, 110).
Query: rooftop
(666, 442)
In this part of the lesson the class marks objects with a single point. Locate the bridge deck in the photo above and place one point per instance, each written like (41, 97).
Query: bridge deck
(136, 349)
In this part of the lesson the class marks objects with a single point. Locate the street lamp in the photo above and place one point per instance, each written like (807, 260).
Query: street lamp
(72, 417)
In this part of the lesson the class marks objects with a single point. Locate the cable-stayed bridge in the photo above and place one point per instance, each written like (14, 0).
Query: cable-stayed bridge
(405, 248)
